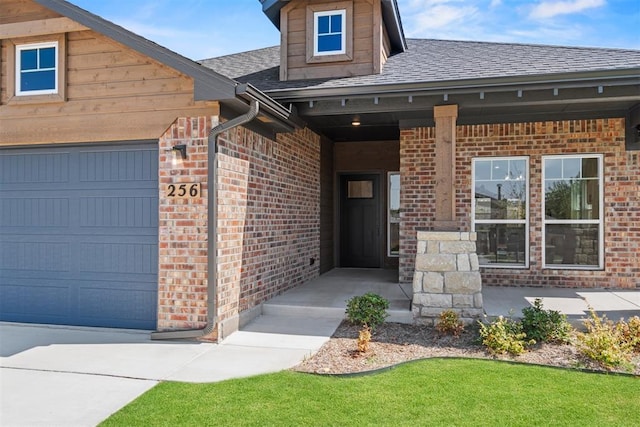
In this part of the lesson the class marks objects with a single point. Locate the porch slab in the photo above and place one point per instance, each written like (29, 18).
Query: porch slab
(327, 295)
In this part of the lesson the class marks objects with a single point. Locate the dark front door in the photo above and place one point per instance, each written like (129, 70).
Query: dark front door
(360, 221)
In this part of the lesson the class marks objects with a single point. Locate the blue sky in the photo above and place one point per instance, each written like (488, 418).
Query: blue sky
(201, 29)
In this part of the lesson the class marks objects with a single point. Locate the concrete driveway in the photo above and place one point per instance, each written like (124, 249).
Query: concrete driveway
(72, 376)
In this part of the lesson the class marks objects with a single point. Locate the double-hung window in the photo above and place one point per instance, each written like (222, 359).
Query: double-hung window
(500, 211)
(37, 69)
(329, 32)
(573, 211)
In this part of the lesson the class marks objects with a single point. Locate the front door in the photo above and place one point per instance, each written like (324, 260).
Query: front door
(360, 221)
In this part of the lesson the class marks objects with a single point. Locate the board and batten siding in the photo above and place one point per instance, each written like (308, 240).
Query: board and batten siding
(112, 92)
(370, 43)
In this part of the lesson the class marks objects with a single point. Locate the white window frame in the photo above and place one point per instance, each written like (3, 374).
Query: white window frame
(343, 38)
(524, 221)
(389, 221)
(599, 221)
(18, 70)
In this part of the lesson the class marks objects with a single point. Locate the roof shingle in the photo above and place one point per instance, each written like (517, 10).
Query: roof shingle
(430, 61)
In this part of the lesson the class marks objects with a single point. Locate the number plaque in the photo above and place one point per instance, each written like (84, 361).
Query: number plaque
(184, 190)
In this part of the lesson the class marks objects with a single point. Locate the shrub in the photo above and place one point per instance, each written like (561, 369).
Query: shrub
(368, 310)
(450, 323)
(605, 342)
(631, 332)
(504, 335)
(545, 325)
(364, 338)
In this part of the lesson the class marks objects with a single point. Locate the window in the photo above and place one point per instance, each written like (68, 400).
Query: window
(37, 69)
(500, 211)
(573, 211)
(329, 32)
(329, 35)
(393, 215)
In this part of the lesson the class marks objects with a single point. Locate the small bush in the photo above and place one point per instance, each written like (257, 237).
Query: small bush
(368, 310)
(631, 332)
(450, 323)
(504, 335)
(545, 325)
(605, 342)
(364, 338)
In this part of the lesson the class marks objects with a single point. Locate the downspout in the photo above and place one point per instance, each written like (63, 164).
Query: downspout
(212, 229)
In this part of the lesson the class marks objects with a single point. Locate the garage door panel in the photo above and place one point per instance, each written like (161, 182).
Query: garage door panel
(119, 212)
(36, 256)
(75, 224)
(118, 258)
(51, 302)
(45, 168)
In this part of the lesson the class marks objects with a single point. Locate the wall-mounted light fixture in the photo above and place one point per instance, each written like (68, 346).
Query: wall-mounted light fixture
(355, 121)
(182, 149)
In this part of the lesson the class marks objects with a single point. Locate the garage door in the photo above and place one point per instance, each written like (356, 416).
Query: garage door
(79, 235)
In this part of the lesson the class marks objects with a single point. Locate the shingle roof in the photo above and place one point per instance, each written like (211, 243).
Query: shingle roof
(431, 61)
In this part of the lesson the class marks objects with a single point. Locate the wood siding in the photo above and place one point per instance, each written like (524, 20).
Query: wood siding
(370, 43)
(111, 92)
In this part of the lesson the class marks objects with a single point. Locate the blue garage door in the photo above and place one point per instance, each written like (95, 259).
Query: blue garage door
(79, 235)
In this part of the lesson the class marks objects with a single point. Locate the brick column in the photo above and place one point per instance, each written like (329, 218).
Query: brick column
(445, 203)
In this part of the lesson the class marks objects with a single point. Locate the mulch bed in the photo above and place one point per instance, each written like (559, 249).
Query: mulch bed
(394, 343)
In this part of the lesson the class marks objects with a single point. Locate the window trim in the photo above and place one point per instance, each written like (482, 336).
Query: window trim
(314, 10)
(12, 93)
(343, 34)
(524, 221)
(599, 221)
(19, 71)
(389, 222)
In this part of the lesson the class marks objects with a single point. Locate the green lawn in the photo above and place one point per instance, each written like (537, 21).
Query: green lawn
(435, 392)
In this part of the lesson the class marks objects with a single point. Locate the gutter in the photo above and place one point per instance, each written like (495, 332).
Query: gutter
(212, 229)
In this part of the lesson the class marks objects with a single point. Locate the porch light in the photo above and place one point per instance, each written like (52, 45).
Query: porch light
(355, 121)
(182, 149)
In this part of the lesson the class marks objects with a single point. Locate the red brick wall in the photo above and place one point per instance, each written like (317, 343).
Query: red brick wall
(268, 221)
(621, 181)
(268, 216)
(182, 247)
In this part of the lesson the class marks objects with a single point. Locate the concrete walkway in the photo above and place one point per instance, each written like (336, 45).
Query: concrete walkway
(71, 376)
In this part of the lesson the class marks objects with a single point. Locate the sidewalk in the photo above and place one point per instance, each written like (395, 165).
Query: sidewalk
(53, 375)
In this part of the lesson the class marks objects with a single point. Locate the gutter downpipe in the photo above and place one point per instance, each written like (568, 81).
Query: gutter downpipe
(212, 229)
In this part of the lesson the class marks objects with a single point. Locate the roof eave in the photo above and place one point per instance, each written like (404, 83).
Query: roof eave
(551, 80)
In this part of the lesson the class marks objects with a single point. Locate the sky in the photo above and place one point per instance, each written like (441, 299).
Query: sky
(200, 29)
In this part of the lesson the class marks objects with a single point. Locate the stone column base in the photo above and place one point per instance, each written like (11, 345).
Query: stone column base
(447, 277)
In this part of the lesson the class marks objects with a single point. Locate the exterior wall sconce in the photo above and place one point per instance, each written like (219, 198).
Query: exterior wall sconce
(182, 149)
(355, 121)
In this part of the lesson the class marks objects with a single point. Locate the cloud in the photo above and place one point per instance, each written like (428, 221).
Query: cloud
(428, 15)
(550, 9)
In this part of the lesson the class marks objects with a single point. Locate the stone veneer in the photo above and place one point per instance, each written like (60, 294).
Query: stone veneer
(446, 277)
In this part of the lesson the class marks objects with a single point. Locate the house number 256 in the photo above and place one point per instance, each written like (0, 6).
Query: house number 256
(183, 191)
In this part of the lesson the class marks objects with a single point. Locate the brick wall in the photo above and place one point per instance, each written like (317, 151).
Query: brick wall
(182, 247)
(621, 182)
(269, 216)
(268, 221)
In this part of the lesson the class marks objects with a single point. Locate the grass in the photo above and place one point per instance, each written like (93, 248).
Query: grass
(435, 392)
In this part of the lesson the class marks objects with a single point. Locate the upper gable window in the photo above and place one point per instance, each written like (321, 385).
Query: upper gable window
(37, 69)
(329, 32)
(329, 35)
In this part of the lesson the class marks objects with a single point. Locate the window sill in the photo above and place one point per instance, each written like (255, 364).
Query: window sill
(318, 59)
(35, 99)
